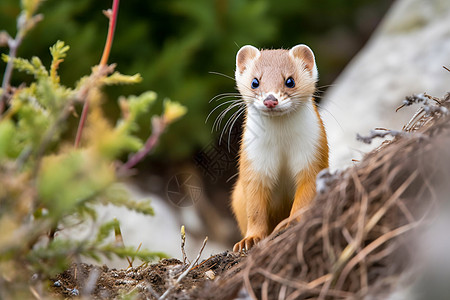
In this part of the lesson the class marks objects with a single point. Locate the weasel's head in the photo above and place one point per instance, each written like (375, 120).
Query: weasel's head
(276, 82)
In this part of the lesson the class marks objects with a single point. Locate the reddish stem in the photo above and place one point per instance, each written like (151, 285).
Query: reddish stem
(112, 26)
(158, 126)
(82, 121)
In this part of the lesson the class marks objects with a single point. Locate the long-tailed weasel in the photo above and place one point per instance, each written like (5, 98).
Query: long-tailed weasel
(284, 143)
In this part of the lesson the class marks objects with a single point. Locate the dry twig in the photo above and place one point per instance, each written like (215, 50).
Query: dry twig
(184, 274)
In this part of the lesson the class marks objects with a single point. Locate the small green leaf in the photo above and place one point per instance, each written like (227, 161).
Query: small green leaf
(58, 52)
(5, 58)
(173, 111)
(118, 78)
(141, 104)
(106, 229)
(33, 67)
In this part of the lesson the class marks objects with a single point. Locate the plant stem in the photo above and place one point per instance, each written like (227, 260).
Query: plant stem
(112, 27)
(109, 39)
(81, 123)
(158, 126)
(13, 45)
(184, 274)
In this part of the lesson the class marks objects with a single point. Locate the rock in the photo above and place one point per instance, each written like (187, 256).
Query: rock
(404, 56)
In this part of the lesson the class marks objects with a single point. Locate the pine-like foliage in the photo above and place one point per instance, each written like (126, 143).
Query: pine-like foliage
(47, 184)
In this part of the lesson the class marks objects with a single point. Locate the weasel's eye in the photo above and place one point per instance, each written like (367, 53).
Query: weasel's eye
(255, 83)
(290, 83)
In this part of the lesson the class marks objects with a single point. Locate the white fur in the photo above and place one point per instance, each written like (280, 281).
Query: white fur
(281, 145)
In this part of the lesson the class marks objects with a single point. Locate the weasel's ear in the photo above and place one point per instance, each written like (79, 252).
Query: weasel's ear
(304, 53)
(246, 54)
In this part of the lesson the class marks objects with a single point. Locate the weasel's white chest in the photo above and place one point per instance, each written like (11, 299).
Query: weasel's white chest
(280, 147)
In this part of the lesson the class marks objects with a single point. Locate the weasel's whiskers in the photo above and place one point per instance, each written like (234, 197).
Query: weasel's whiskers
(320, 107)
(218, 106)
(320, 88)
(241, 111)
(219, 118)
(229, 122)
(299, 97)
(221, 74)
(224, 95)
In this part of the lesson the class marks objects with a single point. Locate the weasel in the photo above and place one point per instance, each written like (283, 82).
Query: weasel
(284, 144)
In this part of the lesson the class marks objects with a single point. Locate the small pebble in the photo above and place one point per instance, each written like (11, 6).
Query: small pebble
(210, 274)
(74, 292)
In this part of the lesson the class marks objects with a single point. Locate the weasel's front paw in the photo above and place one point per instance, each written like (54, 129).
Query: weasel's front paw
(246, 243)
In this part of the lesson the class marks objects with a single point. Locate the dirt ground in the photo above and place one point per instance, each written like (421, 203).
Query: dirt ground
(148, 281)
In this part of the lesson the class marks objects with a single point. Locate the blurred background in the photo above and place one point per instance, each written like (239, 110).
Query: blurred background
(175, 45)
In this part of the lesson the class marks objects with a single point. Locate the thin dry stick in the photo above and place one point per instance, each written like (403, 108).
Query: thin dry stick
(203, 262)
(248, 286)
(406, 212)
(184, 274)
(363, 208)
(364, 278)
(265, 290)
(277, 278)
(301, 287)
(282, 293)
(371, 247)
(360, 232)
(325, 234)
(380, 213)
(119, 240)
(183, 242)
(35, 293)
(347, 253)
(325, 290)
(132, 259)
(319, 281)
(382, 254)
(246, 277)
(112, 26)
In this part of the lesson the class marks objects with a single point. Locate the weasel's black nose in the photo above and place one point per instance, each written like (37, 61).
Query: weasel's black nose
(270, 101)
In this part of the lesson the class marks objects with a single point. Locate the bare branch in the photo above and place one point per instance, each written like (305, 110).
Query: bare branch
(378, 133)
(184, 274)
(23, 25)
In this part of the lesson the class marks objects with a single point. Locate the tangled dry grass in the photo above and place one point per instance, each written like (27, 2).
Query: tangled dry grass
(355, 241)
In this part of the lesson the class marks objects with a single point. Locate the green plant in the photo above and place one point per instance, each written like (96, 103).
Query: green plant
(47, 184)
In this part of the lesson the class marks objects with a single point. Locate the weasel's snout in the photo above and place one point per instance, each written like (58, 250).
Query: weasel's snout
(270, 101)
